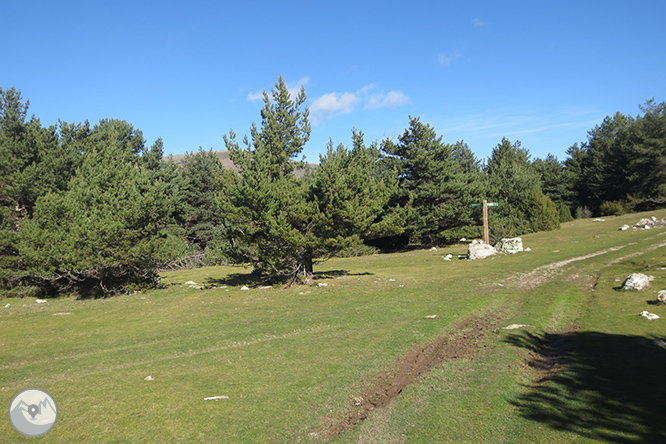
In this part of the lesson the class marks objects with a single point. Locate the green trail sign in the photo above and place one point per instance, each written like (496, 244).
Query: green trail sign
(489, 204)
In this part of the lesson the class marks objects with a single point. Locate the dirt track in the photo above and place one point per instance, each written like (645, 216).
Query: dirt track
(462, 341)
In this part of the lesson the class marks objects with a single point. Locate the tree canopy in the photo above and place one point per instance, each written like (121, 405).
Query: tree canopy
(92, 208)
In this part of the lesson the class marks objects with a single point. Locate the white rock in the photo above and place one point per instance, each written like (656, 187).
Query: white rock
(448, 257)
(661, 297)
(599, 220)
(215, 398)
(510, 246)
(244, 287)
(41, 301)
(190, 283)
(636, 281)
(463, 239)
(624, 227)
(148, 378)
(433, 249)
(516, 326)
(479, 250)
(322, 284)
(527, 249)
(265, 287)
(644, 223)
(432, 316)
(649, 316)
(7, 306)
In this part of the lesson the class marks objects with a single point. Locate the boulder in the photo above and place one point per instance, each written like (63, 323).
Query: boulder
(636, 281)
(645, 223)
(510, 246)
(624, 227)
(479, 250)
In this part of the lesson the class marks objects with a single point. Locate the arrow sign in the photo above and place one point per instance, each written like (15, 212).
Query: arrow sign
(489, 204)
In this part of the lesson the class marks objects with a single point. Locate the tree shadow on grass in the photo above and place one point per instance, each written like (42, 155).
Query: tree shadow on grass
(601, 386)
(258, 279)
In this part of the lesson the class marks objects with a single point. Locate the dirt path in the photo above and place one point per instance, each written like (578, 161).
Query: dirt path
(462, 342)
(539, 275)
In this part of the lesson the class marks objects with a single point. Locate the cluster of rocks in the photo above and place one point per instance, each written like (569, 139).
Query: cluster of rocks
(645, 224)
(481, 250)
(640, 281)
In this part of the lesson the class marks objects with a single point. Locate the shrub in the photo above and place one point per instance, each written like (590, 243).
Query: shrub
(565, 212)
(540, 212)
(613, 208)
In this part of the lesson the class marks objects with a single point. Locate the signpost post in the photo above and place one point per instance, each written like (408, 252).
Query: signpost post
(485, 204)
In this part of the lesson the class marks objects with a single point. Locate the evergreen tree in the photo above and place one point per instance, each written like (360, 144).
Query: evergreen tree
(198, 213)
(515, 184)
(106, 231)
(280, 223)
(438, 181)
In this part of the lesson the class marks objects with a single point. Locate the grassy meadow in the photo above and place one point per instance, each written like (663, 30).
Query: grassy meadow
(294, 362)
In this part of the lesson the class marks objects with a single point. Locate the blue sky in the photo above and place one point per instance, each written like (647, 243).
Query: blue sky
(542, 72)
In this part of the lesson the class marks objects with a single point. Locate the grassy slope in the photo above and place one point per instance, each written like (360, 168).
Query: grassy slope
(291, 359)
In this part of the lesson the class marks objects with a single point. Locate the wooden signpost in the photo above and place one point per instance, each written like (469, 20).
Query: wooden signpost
(485, 205)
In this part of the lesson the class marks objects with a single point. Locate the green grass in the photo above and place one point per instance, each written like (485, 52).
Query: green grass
(291, 360)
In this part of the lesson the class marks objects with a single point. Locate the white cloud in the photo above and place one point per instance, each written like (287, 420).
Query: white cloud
(332, 103)
(446, 59)
(294, 88)
(478, 23)
(255, 95)
(392, 99)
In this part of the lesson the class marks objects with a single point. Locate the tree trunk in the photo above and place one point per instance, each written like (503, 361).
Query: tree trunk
(305, 272)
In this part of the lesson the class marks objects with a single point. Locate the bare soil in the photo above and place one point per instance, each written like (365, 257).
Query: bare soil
(464, 341)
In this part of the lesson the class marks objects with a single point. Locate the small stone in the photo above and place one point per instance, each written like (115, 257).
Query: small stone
(599, 220)
(148, 378)
(322, 284)
(661, 296)
(432, 316)
(516, 326)
(41, 301)
(649, 316)
(215, 398)
(244, 288)
(433, 249)
(7, 306)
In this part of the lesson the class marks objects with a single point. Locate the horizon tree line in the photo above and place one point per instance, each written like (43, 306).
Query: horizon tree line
(92, 209)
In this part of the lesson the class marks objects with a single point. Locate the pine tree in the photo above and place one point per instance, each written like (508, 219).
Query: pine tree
(282, 224)
(106, 231)
(438, 181)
